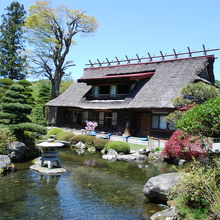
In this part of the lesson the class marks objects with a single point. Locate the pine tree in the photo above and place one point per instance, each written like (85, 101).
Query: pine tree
(15, 110)
(28, 91)
(12, 62)
(38, 115)
(4, 86)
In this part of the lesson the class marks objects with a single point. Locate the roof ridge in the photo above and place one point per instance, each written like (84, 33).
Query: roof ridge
(149, 62)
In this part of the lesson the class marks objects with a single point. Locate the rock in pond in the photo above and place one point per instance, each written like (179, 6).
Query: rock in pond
(5, 162)
(167, 214)
(80, 145)
(132, 157)
(91, 149)
(157, 187)
(111, 155)
(19, 152)
(155, 156)
(65, 143)
(144, 152)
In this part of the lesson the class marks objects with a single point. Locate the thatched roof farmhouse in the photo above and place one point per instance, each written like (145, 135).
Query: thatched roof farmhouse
(136, 96)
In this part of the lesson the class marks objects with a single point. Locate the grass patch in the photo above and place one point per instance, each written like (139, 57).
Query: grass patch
(136, 146)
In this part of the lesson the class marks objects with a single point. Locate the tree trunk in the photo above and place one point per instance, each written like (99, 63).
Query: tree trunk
(55, 88)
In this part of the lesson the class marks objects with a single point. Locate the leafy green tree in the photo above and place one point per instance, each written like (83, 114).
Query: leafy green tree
(192, 94)
(15, 110)
(51, 31)
(12, 62)
(203, 120)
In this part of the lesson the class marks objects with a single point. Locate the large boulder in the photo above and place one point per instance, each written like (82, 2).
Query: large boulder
(157, 187)
(19, 152)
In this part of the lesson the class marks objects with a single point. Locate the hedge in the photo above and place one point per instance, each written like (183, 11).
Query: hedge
(119, 146)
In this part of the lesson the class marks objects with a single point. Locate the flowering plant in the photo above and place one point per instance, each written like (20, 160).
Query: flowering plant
(91, 125)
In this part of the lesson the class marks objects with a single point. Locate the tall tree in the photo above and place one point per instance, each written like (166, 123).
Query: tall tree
(12, 58)
(51, 31)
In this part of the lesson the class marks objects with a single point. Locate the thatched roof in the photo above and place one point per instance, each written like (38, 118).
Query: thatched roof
(158, 92)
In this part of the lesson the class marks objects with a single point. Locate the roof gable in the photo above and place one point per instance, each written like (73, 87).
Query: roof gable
(157, 92)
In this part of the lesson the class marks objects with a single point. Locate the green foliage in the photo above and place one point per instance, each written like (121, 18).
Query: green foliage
(198, 193)
(65, 84)
(28, 91)
(191, 94)
(86, 139)
(100, 143)
(17, 108)
(14, 106)
(54, 131)
(6, 137)
(12, 61)
(203, 119)
(119, 146)
(37, 115)
(28, 126)
(44, 94)
(50, 32)
(199, 93)
(4, 86)
(14, 113)
(65, 136)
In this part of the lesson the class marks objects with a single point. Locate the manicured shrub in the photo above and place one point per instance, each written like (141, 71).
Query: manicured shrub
(203, 119)
(26, 126)
(86, 139)
(197, 194)
(14, 112)
(181, 145)
(100, 143)
(119, 146)
(6, 137)
(64, 136)
(54, 131)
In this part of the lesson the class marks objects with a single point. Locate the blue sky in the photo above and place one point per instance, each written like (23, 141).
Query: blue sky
(128, 27)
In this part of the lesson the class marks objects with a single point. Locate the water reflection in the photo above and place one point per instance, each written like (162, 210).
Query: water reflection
(91, 189)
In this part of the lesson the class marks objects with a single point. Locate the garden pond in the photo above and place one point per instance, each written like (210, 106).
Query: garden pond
(92, 188)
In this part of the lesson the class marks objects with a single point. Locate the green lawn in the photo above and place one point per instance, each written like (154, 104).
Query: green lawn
(137, 146)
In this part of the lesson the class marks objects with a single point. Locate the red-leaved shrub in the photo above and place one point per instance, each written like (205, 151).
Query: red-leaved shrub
(181, 145)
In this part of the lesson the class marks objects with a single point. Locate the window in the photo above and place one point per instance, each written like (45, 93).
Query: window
(123, 89)
(85, 116)
(158, 122)
(108, 118)
(105, 90)
(95, 91)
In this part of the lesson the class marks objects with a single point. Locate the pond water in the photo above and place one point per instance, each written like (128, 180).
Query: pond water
(92, 188)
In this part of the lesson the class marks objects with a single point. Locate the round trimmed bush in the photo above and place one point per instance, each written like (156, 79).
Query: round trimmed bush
(65, 136)
(88, 140)
(54, 131)
(100, 143)
(119, 146)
